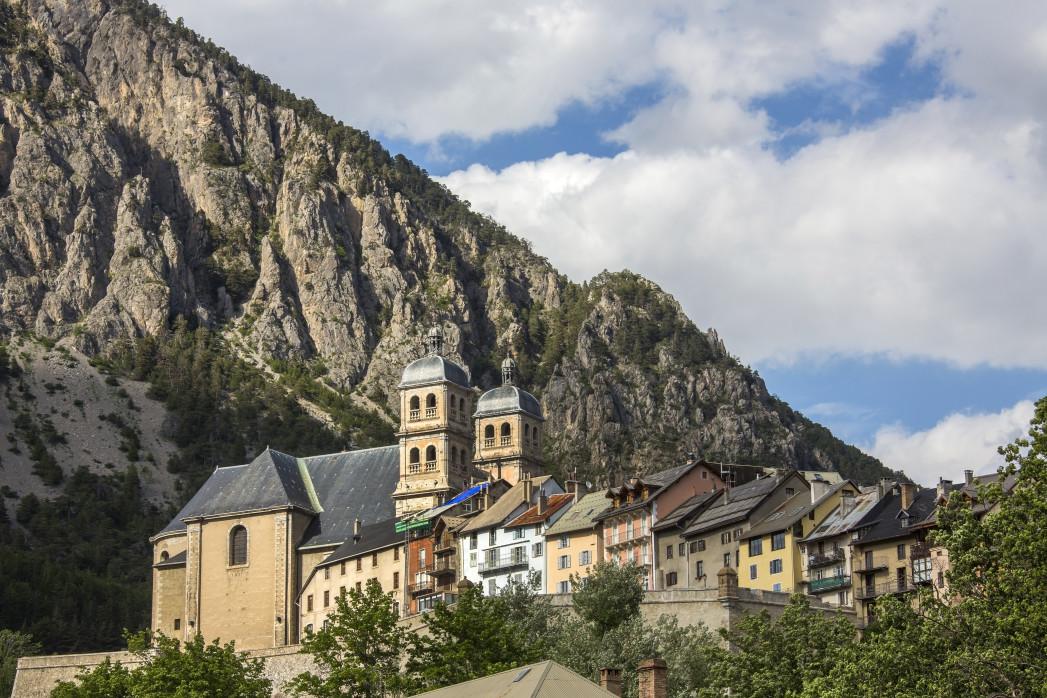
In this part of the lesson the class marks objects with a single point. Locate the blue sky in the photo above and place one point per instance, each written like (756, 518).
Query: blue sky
(851, 194)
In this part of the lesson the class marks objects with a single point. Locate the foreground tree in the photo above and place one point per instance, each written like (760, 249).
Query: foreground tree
(473, 638)
(195, 669)
(359, 651)
(12, 646)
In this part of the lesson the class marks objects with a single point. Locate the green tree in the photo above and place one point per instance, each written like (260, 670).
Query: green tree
(772, 659)
(12, 646)
(610, 594)
(473, 638)
(195, 670)
(359, 651)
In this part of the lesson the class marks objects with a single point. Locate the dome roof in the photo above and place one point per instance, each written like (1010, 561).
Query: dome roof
(505, 399)
(433, 369)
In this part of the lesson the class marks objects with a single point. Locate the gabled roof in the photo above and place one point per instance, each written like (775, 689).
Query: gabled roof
(969, 492)
(372, 538)
(581, 516)
(839, 522)
(737, 503)
(505, 505)
(544, 680)
(790, 511)
(530, 517)
(656, 484)
(336, 489)
(688, 508)
(889, 521)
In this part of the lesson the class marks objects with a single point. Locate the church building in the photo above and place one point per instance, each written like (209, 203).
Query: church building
(235, 561)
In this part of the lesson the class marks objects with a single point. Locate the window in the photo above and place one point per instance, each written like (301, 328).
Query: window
(492, 588)
(309, 602)
(238, 546)
(327, 573)
(164, 556)
(472, 542)
(326, 623)
(941, 578)
(777, 586)
(789, 491)
(359, 564)
(472, 559)
(643, 551)
(564, 541)
(492, 537)
(309, 628)
(755, 547)
(629, 528)
(670, 579)
(643, 523)
(843, 598)
(776, 566)
(327, 599)
(421, 557)
(737, 534)
(396, 608)
(396, 553)
(537, 549)
(726, 559)
(668, 552)
(341, 592)
(901, 551)
(518, 532)
(725, 537)
(921, 569)
(563, 587)
(778, 541)
(563, 562)
(506, 434)
(396, 580)
(705, 474)
(697, 546)
(375, 580)
(343, 568)
(752, 571)
(414, 457)
(585, 557)
(680, 551)
(359, 586)
(178, 624)
(374, 559)
(699, 569)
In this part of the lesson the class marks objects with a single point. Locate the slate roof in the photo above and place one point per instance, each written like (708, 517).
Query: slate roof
(433, 369)
(687, 508)
(837, 523)
(581, 516)
(790, 511)
(504, 506)
(737, 503)
(337, 489)
(656, 484)
(554, 504)
(885, 522)
(177, 560)
(506, 399)
(373, 538)
(544, 680)
(970, 491)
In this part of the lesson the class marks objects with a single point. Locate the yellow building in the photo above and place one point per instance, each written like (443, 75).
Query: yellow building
(573, 544)
(769, 555)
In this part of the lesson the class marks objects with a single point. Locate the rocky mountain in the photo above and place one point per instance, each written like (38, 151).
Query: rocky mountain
(146, 176)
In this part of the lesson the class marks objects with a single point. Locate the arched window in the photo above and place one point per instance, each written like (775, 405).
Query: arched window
(527, 431)
(454, 454)
(430, 454)
(238, 546)
(507, 434)
(461, 404)
(488, 436)
(163, 556)
(430, 405)
(413, 457)
(415, 402)
(463, 456)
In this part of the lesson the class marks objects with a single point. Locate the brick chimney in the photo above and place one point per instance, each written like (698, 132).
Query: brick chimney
(968, 477)
(542, 502)
(651, 675)
(908, 490)
(611, 680)
(944, 487)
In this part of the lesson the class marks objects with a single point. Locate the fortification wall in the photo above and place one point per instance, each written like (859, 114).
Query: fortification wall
(38, 675)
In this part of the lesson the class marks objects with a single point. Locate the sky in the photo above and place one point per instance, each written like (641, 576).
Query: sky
(851, 193)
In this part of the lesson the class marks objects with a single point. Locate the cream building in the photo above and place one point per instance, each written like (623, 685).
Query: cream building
(575, 542)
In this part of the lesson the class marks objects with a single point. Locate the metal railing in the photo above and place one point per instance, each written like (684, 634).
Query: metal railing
(897, 586)
(829, 558)
(826, 583)
(500, 562)
(420, 587)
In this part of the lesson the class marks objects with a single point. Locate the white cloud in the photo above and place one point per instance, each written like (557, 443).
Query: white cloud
(958, 442)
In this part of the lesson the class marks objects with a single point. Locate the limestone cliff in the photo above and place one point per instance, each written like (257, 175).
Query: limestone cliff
(145, 174)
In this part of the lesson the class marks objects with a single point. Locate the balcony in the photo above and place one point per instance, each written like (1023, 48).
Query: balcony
(441, 567)
(488, 443)
(444, 544)
(829, 558)
(507, 441)
(414, 415)
(827, 583)
(430, 466)
(863, 565)
(517, 558)
(919, 550)
(871, 591)
(420, 587)
(430, 412)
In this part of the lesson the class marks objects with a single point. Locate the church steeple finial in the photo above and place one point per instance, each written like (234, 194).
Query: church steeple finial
(435, 341)
(508, 370)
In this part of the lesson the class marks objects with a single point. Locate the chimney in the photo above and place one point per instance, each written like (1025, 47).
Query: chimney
(356, 530)
(651, 675)
(944, 486)
(968, 477)
(882, 488)
(528, 488)
(819, 488)
(542, 502)
(908, 490)
(846, 505)
(611, 680)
